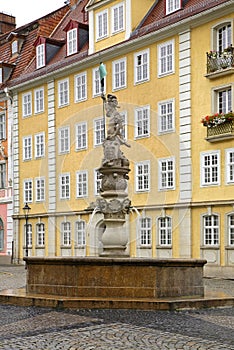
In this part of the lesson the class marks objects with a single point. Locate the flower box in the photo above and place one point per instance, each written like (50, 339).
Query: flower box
(219, 126)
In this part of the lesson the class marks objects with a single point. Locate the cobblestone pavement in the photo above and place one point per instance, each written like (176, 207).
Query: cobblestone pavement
(34, 328)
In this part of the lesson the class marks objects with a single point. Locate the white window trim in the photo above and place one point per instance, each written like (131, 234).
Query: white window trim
(35, 145)
(84, 96)
(215, 99)
(36, 197)
(137, 189)
(28, 113)
(42, 233)
(73, 41)
(143, 80)
(141, 109)
(40, 56)
(68, 232)
(204, 244)
(166, 188)
(94, 131)
(24, 138)
(175, 8)
(96, 192)
(83, 147)
(26, 200)
(65, 151)
(227, 168)
(83, 195)
(172, 70)
(120, 29)
(83, 233)
(3, 126)
(95, 72)
(167, 131)
(146, 245)
(68, 95)
(60, 186)
(114, 87)
(37, 111)
(103, 35)
(228, 239)
(167, 245)
(202, 178)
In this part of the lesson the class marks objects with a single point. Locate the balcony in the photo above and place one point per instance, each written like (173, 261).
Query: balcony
(219, 62)
(219, 127)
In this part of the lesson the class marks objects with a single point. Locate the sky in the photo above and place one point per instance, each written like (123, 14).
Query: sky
(27, 11)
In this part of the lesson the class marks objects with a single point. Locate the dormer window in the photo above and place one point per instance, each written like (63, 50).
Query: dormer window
(172, 6)
(71, 41)
(46, 48)
(5, 71)
(14, 47)
(40, 53)
(102, 25)
(118, 18)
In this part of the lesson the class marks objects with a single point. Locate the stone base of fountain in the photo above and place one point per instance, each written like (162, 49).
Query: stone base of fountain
(115, 277)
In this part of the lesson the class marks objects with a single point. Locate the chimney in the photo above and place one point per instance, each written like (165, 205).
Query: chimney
(7, 23)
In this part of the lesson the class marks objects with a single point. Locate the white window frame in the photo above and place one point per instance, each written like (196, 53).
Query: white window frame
(28, 236)
(226, 105)
(166, 174)
(27, 148)
(97, 82)
(80, 227)
(81, 87)
(142, 176)
(229, 165)
(97, 182)
(40, 56)
(81, 136)
(98, 130)
(164, 224)
(40, 189)
(72, 41)
(14, 47)
(64, 139)
(172, 6)
(230, 230)
(39, 145)
(3, 174)
(209, 170)
(28, 191)
(63, 92)
(166, 116)
(142, 122)
(119, 74)
(82, 184)
(2, 126)
(102, 25)
(141, 69)
(66, 234)
(211, 232)
(145, 232)
(39, 100)
(64, 181)
(27, 104)
(222, 36)
(117, 18)
(40, 232)
(166, 58)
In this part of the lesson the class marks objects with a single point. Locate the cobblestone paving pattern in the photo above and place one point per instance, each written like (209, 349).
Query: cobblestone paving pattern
(34, 328)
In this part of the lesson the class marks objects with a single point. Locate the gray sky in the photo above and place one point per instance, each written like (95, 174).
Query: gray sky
(26, 11)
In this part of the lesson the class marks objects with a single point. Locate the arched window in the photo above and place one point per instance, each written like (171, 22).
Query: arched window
(80, 233)
(231, 230)
(40, 234)
(1, 235)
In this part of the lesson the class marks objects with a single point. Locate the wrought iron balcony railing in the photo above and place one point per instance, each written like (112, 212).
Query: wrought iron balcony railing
(226, 128)
(218, 61)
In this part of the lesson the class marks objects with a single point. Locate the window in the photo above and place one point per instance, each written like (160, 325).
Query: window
(166, 169)
(117, 18)
(27, 104)
(98, 131)
(65, 186)
(166, 116)
(63, 91)
(145, 228)
(142, 176)
(230, 165)
(27, 148)
(231, 230)
(224, 100)
(141, 64)
(66, 233)
(72, 41)
(119, 74)
(172, 6)
(40, 189)
(80, 87)
(14, 47)
(142, 122)
(40, 55)
(2, 175)
(39, 100)
(224, 37)
(81, 136)
(28, 236)
(80, 233)
(102, 25)
(28, 191)
(40, 231)
(165, 231)
(97, 83)
(211, 230)
(64, 140)
(210, 168)
(39, 145)
(98, 182)
(81, 184)
(2, 127)
(1, 235)
(166, 58)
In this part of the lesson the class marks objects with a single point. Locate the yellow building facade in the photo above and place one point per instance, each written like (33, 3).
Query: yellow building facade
(180, 182)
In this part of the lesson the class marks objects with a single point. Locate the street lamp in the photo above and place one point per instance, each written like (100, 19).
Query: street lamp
(26, 210)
